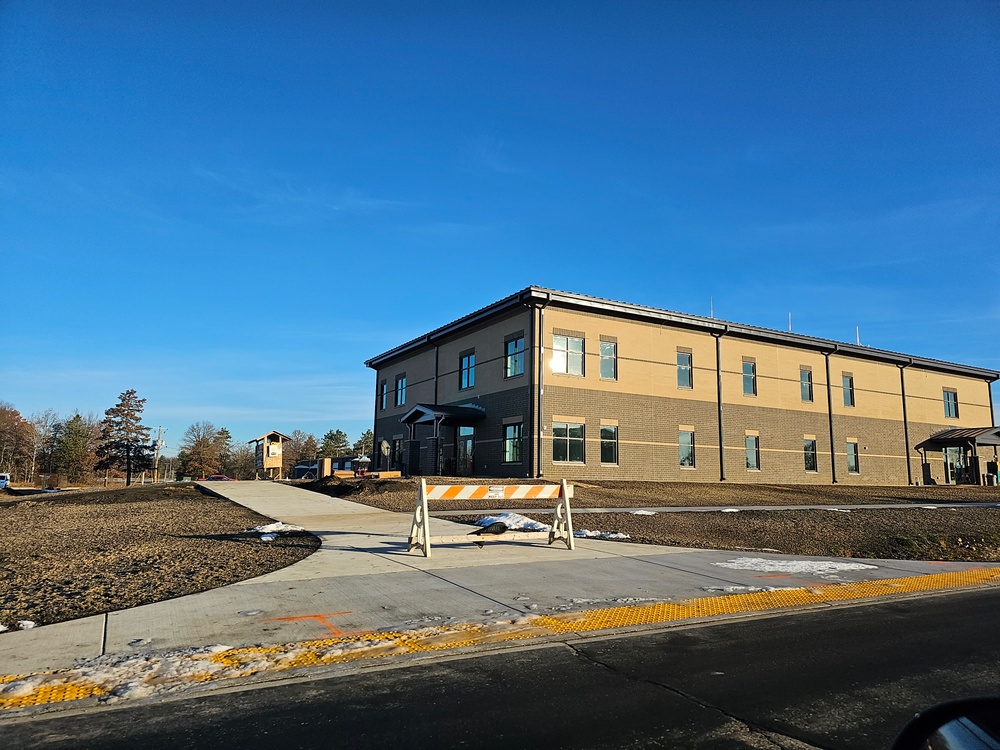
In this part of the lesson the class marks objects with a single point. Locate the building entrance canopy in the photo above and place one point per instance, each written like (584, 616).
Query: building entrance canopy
(968, 437)
(443, 415)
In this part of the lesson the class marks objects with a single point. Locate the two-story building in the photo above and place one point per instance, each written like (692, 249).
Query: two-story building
(554, 384)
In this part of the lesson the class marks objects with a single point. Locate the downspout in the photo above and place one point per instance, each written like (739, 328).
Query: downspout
(829, 412)
(435, 374)
(906, 424)
(718, 383)
(530, 347)
(541, 384)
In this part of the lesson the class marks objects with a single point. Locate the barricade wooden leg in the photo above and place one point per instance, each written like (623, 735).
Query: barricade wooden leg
(420, 535)
(562, 521)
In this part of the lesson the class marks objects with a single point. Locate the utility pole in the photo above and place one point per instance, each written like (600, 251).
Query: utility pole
(156, 461)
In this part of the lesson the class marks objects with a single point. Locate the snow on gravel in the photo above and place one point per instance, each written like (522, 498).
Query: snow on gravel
(270, 532)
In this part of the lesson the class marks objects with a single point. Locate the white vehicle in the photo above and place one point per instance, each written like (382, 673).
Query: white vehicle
(4, 481)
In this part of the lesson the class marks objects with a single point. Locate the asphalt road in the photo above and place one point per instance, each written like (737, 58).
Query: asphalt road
(846, 678)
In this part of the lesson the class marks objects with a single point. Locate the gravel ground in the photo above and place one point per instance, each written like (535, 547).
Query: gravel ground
(911, 533)
(82, 553)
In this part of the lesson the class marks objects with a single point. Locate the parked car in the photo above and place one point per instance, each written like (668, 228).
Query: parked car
(4, 481)
(218, 478)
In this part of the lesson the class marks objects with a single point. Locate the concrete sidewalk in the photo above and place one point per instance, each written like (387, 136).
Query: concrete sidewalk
(362, 579)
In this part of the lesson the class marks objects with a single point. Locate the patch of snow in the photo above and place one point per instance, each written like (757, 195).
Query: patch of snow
(839, 510)
(268, 537)
(3, 628)
(730, 510)
(276, 527)
(139, 642)
(26, 624)
(929, 507)
(250, 612)
(514, 522)
(588, 534)
(745, 589)
(643, 512)
(820, 568)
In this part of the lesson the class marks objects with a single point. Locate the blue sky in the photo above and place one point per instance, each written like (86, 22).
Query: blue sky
(230, 208)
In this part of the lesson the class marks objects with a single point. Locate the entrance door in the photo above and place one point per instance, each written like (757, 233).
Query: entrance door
(954, 465)
(464, 447)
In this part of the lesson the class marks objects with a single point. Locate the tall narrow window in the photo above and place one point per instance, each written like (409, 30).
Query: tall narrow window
(513, 357)
(848, 389)
(809, 453)
(397, 451)
(383, 396)
(685, 370)
(753, 452)
(749, 377)
(567, 442)
(806, 385)
(853, 465)
(400, 390)
(512, 443)
(685, 438)
(609, 360)
(567, 355)
(951, 404)
(609, 444)
(467, 369)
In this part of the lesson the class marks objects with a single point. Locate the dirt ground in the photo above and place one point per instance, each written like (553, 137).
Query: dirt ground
(72, 554)
(912, 533)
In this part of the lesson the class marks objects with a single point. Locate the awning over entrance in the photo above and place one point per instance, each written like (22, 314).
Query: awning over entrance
(446, 415)
(962, 436)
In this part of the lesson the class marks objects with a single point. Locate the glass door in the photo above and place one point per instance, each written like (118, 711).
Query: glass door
(954, 465)
(464, 449)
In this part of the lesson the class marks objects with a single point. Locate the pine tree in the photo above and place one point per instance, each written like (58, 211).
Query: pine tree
(365, 444)
(73, 452)
(335, 443)
(124, 439)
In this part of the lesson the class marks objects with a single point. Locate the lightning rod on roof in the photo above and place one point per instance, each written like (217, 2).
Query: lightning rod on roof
(789, 322)
(857, 335)
(711, 308)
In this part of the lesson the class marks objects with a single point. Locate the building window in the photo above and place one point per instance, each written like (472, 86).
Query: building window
(609, 360)
(609, 444)
(749, 377)
(512, 434)
(806, 385)
(685, 438)
(809, 453)
(848, 389)
(567, 442)
(951, 404)
(753, 452)
(513, 357)
(853, 466)
(567, 355)
(400, 390)
(383, 398)
(467, 369)
(685, 370)
(397, 452)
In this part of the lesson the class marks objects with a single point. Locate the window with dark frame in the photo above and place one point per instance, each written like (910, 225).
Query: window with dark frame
(848, 381)
(806, 385)
(685, 370)
(749, 377)
(400, 390)
(609, 360)
(609, 444)
(467, 369)
(383, 397)
(753, 452)
(513, 357)
(685, 439)
(567, 355)
(853, 464)
(512, 443)
(809, 454)
(567, 442)
(950, 403)
(397, 451)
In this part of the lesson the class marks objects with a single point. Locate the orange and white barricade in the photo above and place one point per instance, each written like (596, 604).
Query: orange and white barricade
(562, 520)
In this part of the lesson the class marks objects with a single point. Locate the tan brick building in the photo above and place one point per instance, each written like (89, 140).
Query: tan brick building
(553, 384)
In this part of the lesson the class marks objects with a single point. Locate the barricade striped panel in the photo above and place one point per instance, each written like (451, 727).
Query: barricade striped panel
(482, 491)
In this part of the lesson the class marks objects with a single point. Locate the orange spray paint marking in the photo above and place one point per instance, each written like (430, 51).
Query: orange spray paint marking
(321, 619)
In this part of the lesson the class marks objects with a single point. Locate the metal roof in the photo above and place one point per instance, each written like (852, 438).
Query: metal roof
(422, 413)
(978, 435)
(534, 295)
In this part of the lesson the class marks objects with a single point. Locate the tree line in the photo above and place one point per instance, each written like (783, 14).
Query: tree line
(86, 449)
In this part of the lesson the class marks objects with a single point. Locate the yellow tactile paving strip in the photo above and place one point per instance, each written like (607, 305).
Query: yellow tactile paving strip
(144, 675)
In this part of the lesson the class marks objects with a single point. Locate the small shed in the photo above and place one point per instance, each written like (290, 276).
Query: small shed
(267, 452)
